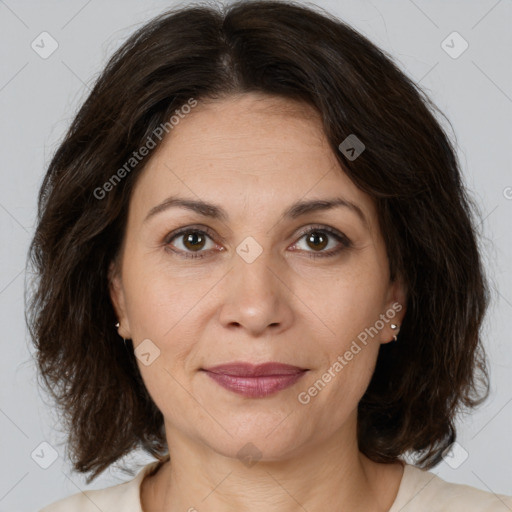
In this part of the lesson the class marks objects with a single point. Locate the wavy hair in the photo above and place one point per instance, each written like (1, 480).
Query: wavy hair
(409, 168)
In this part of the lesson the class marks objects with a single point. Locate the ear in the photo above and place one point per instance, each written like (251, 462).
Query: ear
(117, 297)
(395, 308)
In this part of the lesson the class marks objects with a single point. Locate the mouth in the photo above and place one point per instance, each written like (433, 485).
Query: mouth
(255, 381)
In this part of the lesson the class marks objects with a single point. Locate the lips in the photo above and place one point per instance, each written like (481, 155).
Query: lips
(255, 381)
(250, 370)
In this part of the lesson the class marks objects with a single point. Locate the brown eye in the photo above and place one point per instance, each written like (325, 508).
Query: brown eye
(318, 238)
(189, 242)
(194, 240)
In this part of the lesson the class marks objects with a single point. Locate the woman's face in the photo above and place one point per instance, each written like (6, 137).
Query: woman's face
(253, 286)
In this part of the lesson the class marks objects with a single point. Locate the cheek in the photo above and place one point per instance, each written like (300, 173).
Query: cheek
(334, 390)
(156, 300)
(160, 313)
(352, 306)
(346, 304)
(157, 321)
(349, 310)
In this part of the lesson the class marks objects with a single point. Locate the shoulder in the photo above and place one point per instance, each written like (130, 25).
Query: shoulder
(422, 490)
(124, 496)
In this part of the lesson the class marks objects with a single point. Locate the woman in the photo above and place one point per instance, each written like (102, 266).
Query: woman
(265, 209)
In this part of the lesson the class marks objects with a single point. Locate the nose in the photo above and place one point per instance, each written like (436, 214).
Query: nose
(256, 296)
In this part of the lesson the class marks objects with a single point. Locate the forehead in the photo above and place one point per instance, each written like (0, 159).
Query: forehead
(247, 150)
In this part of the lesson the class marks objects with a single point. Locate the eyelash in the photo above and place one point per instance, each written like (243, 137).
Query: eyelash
(345, 242)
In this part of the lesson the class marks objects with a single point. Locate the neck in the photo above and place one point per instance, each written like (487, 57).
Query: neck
(332, 476)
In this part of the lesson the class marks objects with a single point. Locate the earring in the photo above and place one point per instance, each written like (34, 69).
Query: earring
(394, 326)
(117, 326)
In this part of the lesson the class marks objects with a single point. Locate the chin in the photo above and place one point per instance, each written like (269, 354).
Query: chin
(256, 443)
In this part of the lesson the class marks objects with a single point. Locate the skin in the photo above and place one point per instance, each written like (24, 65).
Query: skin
(255, 155)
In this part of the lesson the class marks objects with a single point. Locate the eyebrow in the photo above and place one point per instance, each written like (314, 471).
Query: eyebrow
(294, 211)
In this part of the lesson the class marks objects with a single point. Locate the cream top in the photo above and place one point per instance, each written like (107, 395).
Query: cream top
(419, 491)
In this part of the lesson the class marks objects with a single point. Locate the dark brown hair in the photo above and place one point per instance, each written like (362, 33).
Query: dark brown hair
(409, 168)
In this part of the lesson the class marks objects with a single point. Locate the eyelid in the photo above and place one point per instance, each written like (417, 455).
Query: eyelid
(332, 231)
(193, 227)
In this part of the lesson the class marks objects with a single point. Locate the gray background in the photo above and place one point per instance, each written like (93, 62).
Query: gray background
(38, 98)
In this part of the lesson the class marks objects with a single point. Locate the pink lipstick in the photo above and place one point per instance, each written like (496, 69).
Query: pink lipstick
(255, 381)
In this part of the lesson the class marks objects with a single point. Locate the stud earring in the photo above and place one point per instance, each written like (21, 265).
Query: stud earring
(124, 340)
(394, 326)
